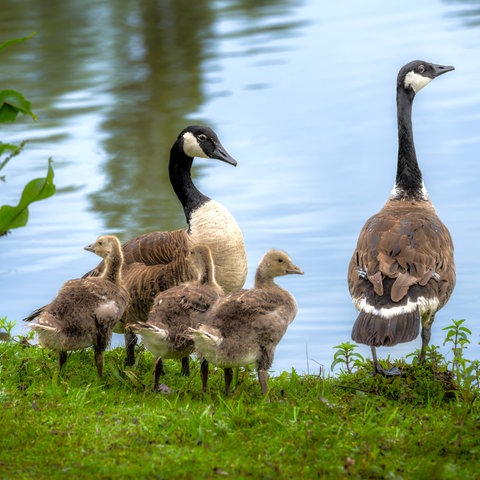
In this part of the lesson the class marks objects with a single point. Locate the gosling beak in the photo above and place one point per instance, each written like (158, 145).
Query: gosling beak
(89, 248)
(295, 269)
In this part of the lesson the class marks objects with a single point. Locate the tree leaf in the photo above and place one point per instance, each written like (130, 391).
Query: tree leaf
(35, 190)
(12, 103)
(16, 40)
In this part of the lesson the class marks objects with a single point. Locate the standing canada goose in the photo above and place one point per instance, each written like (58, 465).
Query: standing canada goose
(246, 326)
(85, 310)
(402, 270)
(177, 309)
(209, 223)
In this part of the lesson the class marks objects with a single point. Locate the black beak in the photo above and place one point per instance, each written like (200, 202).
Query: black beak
(441, 69)
(220, 153)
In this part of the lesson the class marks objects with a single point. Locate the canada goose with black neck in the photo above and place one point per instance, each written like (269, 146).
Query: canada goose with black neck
(402, 270)
(209, 223)
(85, 310)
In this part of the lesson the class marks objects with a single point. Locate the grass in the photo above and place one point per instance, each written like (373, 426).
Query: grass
(424, 424)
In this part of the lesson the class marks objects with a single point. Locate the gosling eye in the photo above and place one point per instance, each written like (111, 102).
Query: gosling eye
(280, 260)
(202, 137)
(421, 69)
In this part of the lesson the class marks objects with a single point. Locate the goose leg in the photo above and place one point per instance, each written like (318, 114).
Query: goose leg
(204, 374)
(379, 370)
(157, 372)
(130, 342)
(228, 375)
(263, 379)
(99, 360)
(426, 334)
(62, 358)
(186, 366)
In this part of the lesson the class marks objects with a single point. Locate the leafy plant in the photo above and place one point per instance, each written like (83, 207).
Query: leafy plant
(11, 104)
(346, 354)
(6, 328)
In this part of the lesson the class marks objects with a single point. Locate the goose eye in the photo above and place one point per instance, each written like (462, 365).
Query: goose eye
(280, 260)
(202, 137)
(421, 68)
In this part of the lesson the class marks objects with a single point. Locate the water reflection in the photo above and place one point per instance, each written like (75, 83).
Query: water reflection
(469, 12)
(156, 85)
(302, 94)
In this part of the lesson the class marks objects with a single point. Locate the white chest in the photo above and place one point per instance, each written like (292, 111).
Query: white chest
(213, 225)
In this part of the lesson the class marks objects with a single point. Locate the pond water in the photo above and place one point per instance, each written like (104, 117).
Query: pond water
(301, 93)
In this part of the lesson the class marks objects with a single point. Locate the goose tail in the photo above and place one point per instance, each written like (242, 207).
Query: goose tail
(375, 329)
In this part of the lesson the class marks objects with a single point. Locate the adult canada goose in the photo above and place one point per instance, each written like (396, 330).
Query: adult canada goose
(245, 326)
(177, 309)
(209, 223)
(85, 310)
(402, 270)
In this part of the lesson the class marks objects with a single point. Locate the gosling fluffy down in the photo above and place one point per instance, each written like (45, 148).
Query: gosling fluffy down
(245, 327)
(85, 310)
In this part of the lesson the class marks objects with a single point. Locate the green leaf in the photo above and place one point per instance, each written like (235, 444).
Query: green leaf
(16, 40)
(12, 103)
(35, 190)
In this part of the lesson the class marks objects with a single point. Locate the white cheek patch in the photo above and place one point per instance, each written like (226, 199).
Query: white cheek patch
(191, 146)
(416, 81)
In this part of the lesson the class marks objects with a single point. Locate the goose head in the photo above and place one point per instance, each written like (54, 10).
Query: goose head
(105, 246)
(276, 263)
(200, 141)
(415, 75)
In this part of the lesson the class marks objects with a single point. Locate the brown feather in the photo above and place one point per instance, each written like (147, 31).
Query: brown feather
(85, 310)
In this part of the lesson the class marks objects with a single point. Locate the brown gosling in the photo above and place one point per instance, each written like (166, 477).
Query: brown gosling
(85, 310)
(245, 327)
(402, 270)
(177, 309)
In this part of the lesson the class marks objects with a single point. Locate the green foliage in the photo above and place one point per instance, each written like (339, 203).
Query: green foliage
(6, 328)
(346, 354)
(35, 190)
(11, 104)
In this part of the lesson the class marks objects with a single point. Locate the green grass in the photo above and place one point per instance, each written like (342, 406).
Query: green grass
(425, 424)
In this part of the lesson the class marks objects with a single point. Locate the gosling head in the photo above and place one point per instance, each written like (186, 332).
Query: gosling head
(200, 141)
(415, 75)
(105, 246)
(276, 263)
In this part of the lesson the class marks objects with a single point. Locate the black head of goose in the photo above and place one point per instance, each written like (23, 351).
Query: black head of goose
(175, 310)
(85, 310)
(245, 327)
(402, 270)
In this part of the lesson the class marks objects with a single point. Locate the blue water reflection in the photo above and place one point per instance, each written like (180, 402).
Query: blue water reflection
(301, 94)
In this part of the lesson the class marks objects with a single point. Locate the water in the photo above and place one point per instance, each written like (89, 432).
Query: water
(301, 93)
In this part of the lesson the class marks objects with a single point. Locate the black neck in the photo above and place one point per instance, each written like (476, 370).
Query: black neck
(409, 177)
(180, 177)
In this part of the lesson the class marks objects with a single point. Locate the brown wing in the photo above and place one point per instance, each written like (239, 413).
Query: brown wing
(408, 244)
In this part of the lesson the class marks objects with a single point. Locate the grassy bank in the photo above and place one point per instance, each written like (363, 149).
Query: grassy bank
(425, 424)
